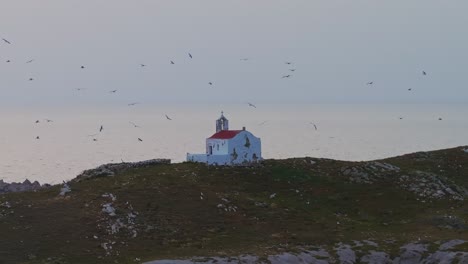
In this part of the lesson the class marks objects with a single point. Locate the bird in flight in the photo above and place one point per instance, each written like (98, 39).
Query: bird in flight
(113, 91)
(101, 128)
(80, 89)
(132, 104)
(286, 76)
(142, 65)
(262, 123)
(210, 83)
(29, 61)
(172, 62)
(139, 139)
(252, 105)
(37, 137)
(48, 120)
(244, 59)
(37, 121)
(82, 67)
(440, 118)
(31, 79)
(190, 55)
(288, 63)
(292, 70)
(168, 118)
(410, 89)
(6, 41)
(8, 61)
(134, 125)
(424, 73)
(314, 125)
(370, 83)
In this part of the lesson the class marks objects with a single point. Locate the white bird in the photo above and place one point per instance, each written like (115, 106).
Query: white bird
(272, 196)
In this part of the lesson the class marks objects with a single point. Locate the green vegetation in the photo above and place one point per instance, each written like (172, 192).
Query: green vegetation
(188, 209)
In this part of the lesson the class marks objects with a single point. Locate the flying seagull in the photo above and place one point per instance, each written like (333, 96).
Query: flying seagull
(6, 41)
(134, 125)
(210, 83)
(286, 76)
(80, 89)
(139, 139)
(142, 65)
(244, 59)
(292, 70)
(113, 91)
(31, 79)
(168, 118)
(37, 121)
(8, 61)
(29, 61)
(190, 55)
(48, 120)
(132, 104)
(37, 137)
(82, 67)
(252, 105)
(370, 83)
(101, 128)
(440, 118)
(424, 73)
(172, 62)
(409, 89)
(289, 63)
(262, 123)
(314, 125)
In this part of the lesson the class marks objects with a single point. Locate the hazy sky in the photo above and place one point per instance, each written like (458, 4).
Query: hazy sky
(337, 46)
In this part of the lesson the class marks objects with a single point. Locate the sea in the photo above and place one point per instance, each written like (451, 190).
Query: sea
(54, 144)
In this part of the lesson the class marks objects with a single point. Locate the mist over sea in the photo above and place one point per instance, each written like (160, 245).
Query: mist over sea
(73, 143)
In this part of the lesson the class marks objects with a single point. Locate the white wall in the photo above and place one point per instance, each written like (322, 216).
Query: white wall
(244, 151)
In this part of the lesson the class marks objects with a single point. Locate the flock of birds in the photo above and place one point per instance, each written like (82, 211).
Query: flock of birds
(289, 75)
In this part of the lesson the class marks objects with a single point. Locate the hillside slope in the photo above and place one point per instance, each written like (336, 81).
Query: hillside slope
(182, 210)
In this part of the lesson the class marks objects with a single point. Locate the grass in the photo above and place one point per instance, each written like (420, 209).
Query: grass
(314, 205)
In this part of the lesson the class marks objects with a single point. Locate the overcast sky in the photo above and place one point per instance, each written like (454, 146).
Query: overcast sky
(336, 47)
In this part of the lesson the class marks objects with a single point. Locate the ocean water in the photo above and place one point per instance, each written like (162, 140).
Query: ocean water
(355, 132)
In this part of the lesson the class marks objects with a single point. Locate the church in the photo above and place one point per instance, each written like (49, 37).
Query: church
(229, 147)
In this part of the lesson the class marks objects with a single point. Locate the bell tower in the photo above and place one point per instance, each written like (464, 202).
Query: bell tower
(222, 123)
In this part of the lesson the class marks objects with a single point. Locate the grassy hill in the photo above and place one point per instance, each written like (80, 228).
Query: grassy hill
(186, 209)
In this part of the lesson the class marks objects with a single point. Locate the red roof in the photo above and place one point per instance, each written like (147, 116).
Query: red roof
(225, 134)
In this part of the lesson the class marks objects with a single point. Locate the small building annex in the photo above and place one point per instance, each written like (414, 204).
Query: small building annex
(229, 147)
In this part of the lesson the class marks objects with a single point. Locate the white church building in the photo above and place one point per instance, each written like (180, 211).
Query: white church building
(229, 147)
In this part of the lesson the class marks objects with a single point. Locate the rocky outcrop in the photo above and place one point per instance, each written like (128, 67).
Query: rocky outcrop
(411, 253)
(20, 187)
(426, 186)
(108, 170)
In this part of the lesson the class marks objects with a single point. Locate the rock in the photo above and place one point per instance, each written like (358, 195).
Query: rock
(109, 170)
(20, 187)
(376, 257)
(65, 189)
(108, 209)
(412, 253)
(450, 244)
(345, 254)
